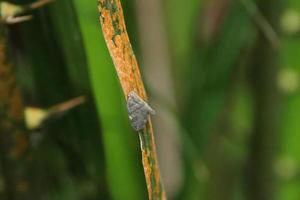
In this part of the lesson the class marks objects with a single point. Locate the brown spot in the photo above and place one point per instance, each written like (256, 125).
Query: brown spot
(117, 40)
(21, 145)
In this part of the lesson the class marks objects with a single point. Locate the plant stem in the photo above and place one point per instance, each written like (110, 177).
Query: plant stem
(261, 182)
(12, 140)
(117, 40)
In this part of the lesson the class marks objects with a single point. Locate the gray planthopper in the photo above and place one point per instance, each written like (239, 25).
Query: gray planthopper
(138, 111)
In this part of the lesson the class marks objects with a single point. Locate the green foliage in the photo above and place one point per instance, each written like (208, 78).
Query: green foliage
(91, 152)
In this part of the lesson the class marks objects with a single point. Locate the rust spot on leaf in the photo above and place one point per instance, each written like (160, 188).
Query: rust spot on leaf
(117, 40)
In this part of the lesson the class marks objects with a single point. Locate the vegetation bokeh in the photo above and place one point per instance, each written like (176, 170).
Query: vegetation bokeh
(222, 75)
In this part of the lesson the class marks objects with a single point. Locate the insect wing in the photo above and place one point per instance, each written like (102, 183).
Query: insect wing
(138, 111)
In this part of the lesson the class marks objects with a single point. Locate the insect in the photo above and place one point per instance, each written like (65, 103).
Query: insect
(138, 111)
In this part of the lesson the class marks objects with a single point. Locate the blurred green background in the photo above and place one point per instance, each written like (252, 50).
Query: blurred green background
(222, 75)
